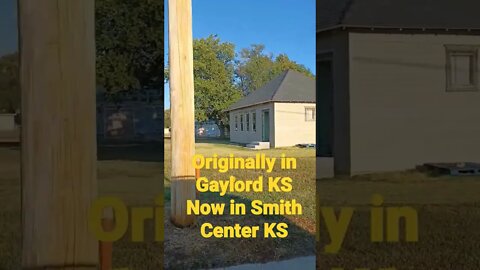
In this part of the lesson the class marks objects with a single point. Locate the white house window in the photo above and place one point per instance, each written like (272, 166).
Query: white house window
(241, 122)
(310, 114)
(462, 68)
(247, 117)
(254, 122)
(236, 122)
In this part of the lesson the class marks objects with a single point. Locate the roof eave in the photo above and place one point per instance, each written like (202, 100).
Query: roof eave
(397, 29)
(270, 101)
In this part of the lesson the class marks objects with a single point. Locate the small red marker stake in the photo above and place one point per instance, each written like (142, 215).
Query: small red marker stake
(106, 248)
(197, 175)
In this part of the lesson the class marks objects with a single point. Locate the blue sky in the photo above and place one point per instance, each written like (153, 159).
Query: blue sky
(283, 26)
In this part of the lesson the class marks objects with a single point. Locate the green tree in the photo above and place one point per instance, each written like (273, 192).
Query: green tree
(129, 44)
(9, 83)
(282, 62)
(129, 50)
(166, 118)
(255, 67)
(215, 91)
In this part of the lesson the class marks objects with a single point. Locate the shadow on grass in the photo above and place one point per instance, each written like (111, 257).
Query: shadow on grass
(197, 252)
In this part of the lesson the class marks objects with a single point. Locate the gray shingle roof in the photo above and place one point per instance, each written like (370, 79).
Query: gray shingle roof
(290, 86)
(416, 14)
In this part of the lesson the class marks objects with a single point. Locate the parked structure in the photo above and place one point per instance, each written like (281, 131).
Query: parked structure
(130, 116)
(398, 83)
(7, 122)
(282, 113)
(9, 129)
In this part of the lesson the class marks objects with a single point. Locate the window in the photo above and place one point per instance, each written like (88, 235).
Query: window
(236, 122)
(241, 122)
(247, 117)
(309, 113)
(462, 68)
(254, 122)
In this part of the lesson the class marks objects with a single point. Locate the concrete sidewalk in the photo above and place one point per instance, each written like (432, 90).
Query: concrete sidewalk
(301, 263)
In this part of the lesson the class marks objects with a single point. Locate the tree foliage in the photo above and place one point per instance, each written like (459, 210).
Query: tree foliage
(255, 67)
(129, 50)
(129, 43)
(166, 118)
(222, 77)
(215, 91)
(9, 83)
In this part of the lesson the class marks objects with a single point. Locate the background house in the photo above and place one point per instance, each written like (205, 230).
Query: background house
(282, 113)
(7, 122)
(130, 116)
(398, 83)
(9, 128)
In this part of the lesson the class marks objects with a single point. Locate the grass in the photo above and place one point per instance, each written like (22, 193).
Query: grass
(197, 252)
(10, 215)
(448, 218)
(138, 181)
(448, 210)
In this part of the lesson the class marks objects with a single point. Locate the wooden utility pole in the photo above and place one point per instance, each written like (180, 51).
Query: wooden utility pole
(57, 75)
(182, 109)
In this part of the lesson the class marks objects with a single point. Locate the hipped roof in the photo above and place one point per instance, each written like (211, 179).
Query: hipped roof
(289, 86)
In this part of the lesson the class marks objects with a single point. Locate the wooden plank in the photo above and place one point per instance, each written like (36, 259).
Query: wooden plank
(57, 75)
(182, 109)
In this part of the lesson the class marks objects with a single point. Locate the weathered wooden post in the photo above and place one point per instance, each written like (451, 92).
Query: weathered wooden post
(182, 109)
(57, 75)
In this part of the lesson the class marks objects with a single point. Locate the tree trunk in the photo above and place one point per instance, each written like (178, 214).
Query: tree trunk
(182, 110)
(57, 75)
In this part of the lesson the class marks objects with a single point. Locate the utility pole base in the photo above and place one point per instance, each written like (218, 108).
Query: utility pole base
(182, 189)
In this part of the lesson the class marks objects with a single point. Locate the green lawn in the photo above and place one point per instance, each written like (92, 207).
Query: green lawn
(139, 182)
(448, 210)
(448, 221)
(10, 216)
(136, 183)
(197, 252)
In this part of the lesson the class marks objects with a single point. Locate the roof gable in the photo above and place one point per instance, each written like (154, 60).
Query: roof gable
(289, 86)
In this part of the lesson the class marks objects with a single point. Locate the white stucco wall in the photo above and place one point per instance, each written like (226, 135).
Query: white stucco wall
(400, 112)
(239, 136)
(7, 122)
(291, 126)
(288, 125)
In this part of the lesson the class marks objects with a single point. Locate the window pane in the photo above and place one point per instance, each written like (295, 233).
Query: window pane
(462, 70)
(309, 114)
(254, 122)
(241, 122)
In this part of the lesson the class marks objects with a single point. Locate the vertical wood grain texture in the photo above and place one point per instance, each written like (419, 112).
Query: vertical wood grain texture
(57, 74)
(182, 109)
